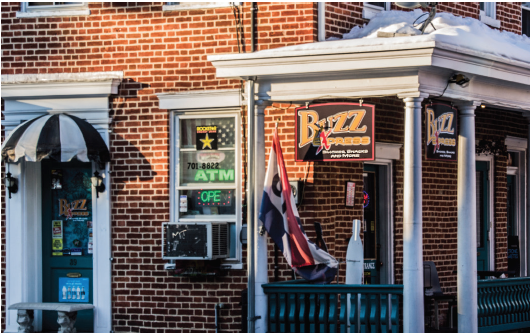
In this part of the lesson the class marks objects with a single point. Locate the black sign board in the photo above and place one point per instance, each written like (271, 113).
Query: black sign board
(441, 132)
(206, 137)
(335, 132)
(514, 261)
(188, 240)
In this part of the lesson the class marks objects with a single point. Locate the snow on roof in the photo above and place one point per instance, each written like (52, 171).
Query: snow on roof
(461, 34)
(465, 32)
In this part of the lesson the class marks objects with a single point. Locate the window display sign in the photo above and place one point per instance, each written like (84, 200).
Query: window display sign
(441, 123)
(335, 132)
(71, 209)
(206, 137)
(213, 198)
(73, 290)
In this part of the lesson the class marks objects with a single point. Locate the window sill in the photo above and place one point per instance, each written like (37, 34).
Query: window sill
(369, 12)
(191, 5)
(489, 21)
(56, 13)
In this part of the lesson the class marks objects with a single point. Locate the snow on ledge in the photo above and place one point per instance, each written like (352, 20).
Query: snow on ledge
(465, 35)
(61, 77)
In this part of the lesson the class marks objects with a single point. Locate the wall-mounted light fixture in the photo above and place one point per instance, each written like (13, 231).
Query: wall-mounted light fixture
(97, 183)
(460, 79)
(11, 184)
(483, 105)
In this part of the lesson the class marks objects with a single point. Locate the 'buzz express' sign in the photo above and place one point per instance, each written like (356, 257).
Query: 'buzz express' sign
(441, 132)
(335, 132)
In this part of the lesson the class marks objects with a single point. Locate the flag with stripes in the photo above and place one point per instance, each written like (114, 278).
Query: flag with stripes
(281, 220)
(60, 136)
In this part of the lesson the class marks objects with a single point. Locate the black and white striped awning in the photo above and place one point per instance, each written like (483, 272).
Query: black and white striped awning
(60, 137)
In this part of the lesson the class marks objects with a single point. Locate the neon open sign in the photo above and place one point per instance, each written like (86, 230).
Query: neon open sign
(214, 198)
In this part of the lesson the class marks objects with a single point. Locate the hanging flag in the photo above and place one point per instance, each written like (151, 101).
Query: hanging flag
(281, 220)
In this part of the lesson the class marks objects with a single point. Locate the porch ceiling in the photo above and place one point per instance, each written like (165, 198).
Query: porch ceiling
(337, 70)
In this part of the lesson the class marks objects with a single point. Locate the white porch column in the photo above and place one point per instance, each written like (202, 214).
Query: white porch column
(467, 221)
(527, 242)
(260, 247)
(413, 320)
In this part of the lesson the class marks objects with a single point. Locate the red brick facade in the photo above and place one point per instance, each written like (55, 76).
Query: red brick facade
(166, 51)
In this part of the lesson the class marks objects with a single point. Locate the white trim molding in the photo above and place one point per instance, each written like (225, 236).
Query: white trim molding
(369, 10)
(489, 15)
(201, 99)
(78, 9)
(387, 151)
(513, 143)
(177, 6)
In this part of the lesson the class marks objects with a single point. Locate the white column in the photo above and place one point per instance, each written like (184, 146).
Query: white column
(413, 320)
(467, 221)
(260, 248)
(527, 220)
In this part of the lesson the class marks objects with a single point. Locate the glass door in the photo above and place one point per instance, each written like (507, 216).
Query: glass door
(67, 239)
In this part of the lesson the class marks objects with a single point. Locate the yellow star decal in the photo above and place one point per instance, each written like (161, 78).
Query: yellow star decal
(206, 142)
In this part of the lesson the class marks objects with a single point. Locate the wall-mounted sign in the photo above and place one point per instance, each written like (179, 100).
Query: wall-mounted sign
(335, 132)
(441, 123)
(213, 198)
(349, 193)
(206, 137)
(73, 290)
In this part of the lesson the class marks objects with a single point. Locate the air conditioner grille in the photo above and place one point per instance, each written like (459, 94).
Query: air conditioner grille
(220, 245)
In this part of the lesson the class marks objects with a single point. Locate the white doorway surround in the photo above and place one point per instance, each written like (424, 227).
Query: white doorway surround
(26, 96)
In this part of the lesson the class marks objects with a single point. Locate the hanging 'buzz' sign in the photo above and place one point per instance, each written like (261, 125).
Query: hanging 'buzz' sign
(335, 132)
(441, 123)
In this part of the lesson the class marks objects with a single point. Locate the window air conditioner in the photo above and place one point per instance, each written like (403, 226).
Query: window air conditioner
(195, 241)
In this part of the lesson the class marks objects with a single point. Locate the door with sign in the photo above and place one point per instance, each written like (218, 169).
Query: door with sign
(483, 215)
(67, 239)
(377, 226)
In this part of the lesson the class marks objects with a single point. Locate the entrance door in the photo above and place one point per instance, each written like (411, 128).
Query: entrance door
(67, 239)
(483, 218)
(375, 225)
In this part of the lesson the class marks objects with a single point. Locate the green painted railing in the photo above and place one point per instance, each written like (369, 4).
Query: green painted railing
(503, 304)
(296, 306)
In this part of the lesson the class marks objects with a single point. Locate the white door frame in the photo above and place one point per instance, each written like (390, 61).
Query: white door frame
(491, 228)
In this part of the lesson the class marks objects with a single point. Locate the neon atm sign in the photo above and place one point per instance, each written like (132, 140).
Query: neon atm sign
(222, 175)
(214, 198)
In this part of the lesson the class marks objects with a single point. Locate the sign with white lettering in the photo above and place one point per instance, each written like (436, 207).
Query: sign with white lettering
(335, 132)
(441, 121)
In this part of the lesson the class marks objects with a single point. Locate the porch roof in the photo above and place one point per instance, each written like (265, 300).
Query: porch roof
(372, 67)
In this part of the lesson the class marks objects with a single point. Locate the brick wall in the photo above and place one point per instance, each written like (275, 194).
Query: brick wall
(158, 52)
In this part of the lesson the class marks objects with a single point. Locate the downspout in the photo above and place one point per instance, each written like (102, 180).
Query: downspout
(321, 32)
(252, 23)
(250, 208)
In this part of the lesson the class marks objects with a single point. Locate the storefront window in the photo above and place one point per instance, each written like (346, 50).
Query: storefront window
(207, 172)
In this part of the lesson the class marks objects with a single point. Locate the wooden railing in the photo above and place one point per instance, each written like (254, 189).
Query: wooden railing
(503, 304)
(296, 306)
